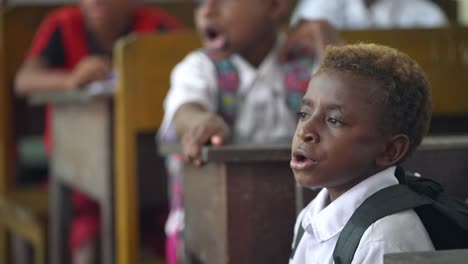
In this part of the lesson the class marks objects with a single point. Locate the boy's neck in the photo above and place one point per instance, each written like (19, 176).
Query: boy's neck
(255, 54)
(339, 190)
(106, 36)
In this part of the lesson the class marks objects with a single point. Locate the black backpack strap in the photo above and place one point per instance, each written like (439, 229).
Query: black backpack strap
(299, 235)
(390, 200)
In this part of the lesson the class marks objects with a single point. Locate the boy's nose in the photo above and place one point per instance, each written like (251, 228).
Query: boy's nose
(307, 135)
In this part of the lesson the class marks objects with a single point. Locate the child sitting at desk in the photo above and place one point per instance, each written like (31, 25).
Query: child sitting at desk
(73, 48)
(234, 89)
(365, 111)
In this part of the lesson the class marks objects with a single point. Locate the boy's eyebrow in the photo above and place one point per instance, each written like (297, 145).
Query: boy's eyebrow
(308, 102)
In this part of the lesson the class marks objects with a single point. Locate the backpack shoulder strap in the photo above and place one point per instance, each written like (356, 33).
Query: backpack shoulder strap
(396, 198)
(299, 235)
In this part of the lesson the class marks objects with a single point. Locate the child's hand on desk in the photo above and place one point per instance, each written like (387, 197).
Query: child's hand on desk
(210, 129)
(89, 69)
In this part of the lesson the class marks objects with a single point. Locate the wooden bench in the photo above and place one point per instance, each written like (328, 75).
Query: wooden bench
(143, 65)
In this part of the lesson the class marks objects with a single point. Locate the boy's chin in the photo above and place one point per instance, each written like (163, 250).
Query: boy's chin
(308, 181)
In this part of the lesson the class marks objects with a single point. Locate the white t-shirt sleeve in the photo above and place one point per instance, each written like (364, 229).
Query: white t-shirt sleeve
(318, 10)
(193, 80)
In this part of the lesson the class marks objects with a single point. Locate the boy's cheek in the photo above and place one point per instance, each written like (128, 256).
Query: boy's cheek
(295, 135)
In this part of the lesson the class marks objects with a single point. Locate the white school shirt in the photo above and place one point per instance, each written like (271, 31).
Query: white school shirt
(263, 115)
(324, 221)
(383, 14)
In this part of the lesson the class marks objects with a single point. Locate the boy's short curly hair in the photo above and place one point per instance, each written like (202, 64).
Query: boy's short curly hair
(404, 94)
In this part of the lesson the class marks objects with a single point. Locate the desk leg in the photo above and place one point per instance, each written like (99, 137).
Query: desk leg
(60, 219)
(4, 248)
(107, 236)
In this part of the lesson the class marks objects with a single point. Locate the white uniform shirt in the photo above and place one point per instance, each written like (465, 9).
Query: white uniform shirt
(263, 115)
(323, 222)
(383, 14)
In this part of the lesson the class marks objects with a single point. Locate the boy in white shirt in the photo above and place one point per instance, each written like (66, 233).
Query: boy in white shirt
(367, 14)
(315, 22)
(235, 89)
(244, 33)
(365, 111)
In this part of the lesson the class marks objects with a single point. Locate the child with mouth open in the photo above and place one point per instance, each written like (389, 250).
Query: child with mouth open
(365, 111)
(235, 89)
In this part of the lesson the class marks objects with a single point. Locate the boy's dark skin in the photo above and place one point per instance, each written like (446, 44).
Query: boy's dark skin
(338, 142)
(246, 27)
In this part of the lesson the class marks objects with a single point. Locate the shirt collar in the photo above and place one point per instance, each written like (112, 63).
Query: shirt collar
(324, 220)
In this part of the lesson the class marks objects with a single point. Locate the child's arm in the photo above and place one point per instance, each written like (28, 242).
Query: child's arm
(36, 76)
(197, 127)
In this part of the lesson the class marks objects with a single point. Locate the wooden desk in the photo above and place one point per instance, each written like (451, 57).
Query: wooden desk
(240, 207)
(81, 160)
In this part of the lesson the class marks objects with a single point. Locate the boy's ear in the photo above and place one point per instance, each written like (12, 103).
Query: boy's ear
(395, 150)
(278, 8)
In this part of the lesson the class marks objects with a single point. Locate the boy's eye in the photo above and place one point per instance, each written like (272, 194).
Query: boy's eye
(333, 121)
(302, 115)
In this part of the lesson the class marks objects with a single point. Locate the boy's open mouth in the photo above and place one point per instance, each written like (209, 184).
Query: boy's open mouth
(213, 38)
(300, 161)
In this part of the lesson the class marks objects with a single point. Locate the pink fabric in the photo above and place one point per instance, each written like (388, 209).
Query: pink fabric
(172, 243)
(86, 221)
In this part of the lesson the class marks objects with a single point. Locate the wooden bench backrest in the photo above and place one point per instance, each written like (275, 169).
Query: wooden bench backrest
(143, 66)
(442, 53)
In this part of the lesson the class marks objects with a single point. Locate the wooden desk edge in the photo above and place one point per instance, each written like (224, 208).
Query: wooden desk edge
(282, 152)
(68, 97)
(236, 153)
